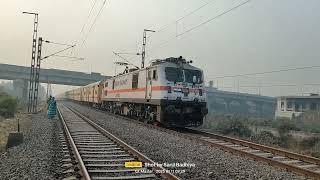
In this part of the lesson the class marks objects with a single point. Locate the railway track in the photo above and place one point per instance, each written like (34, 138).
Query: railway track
(101, 155)
(297, 163)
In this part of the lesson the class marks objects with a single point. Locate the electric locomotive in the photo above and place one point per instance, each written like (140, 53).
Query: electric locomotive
(170, 92)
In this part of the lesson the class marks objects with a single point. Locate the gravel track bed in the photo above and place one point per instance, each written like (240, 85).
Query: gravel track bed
(39, 156)
(162, 147)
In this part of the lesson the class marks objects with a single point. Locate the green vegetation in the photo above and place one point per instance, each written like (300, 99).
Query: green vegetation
(238, 125)
(287, 141)
(265, 137)
(286, 125)
(8, 105)
(315, 150)
(309, 143)
(230, 125)
(308, 121)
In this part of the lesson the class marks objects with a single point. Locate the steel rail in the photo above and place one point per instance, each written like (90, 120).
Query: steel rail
(280, 164)
(83, 169)
(129, 148)
(289, 154)
(193, 132)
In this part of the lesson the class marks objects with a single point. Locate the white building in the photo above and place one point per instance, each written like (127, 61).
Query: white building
(292, 106)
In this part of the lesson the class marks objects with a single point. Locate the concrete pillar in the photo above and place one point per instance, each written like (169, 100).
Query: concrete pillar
(285, 104)
(293, 105)
(211, 84)
(300, 107)
(21, 89)
(244, 107)
(227, 105)
(259, 109)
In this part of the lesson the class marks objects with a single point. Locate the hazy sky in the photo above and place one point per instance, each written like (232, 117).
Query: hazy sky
(262, 35)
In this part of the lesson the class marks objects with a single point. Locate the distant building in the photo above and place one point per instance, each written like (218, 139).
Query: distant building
(219, 101)
(292, 106)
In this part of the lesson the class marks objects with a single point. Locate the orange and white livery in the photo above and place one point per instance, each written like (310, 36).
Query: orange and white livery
(169, 91)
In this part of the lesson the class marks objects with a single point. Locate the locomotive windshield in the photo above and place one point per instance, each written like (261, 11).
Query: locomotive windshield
(189, 74)
(174, 74)
(183, 75)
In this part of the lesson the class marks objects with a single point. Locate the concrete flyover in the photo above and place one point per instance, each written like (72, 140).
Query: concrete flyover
(241, 103)
(21, 74)
(53, 76)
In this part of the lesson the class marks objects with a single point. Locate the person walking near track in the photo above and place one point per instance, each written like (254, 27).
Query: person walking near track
(52, 108)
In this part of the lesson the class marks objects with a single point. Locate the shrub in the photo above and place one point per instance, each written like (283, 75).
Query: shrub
(285, 126)
(234, 126)
(316, 150)
(309, 121)
(8, 106)
(287, 141)
(265, 137)
(309, 143)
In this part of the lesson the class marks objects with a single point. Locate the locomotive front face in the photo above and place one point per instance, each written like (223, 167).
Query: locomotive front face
(184, 102)
(169, 92)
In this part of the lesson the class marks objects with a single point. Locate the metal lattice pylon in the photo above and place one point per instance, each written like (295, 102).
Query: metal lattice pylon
(143, 54)
(32, 67)
(37, 75)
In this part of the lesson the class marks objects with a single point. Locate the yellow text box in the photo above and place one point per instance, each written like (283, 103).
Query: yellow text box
(133, 164)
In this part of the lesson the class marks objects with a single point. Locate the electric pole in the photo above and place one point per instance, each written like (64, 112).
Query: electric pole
(37, 75)
(36, 64)
(144, 42)
(33, 60)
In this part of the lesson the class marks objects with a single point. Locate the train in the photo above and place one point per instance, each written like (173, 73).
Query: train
(169, 92)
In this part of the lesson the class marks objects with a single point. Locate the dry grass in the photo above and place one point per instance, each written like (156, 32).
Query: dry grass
(9, 125)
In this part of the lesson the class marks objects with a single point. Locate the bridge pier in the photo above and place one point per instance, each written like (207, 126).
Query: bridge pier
(259, 109)
(232, 102)
(20, 87)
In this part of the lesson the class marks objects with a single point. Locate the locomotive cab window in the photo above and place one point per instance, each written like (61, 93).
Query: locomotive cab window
(193, 76)
(149, 74)
(135, 78)
(154, 75)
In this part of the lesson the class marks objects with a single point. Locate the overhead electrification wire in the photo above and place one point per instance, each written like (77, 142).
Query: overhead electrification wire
(130, 63)
(266, 72)
(201, 24)
(181, 18)
(94, 22)
(197, 26)
(91, 10)
(57, 43)
(216, 17)
(264, 86)
(57, 52)
(70, 57)
(281, 85)
(85, 23)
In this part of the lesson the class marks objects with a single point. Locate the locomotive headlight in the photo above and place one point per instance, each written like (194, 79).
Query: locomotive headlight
(177, 89)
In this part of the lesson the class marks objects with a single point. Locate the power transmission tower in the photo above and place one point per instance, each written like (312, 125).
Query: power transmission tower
(37, 75)
(33, 59)
(143, 54)
(144, 42)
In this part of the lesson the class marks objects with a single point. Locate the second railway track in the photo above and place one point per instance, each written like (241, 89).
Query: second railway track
(297, 163)
(101, 155)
